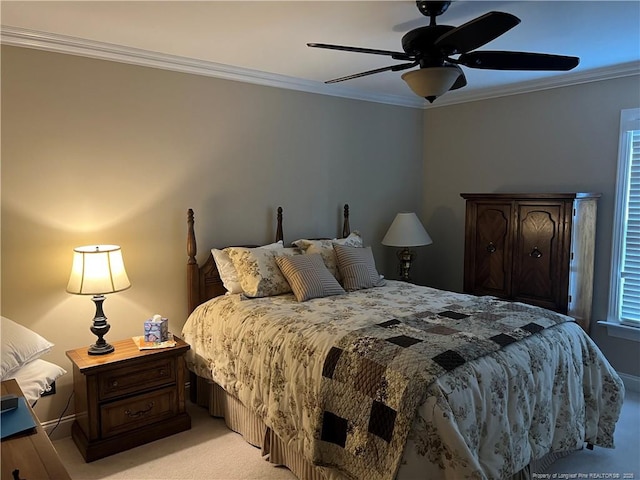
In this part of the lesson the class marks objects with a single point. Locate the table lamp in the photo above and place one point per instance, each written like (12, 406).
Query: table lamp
(406, 231)
(98, 270)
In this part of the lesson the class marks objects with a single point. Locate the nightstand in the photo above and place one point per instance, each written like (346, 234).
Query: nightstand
(128, 397)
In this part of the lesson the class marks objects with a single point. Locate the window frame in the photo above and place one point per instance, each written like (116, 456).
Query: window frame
(629, 121)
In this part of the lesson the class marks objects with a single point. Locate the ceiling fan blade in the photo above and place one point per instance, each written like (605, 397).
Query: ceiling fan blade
(390, 68)
(498, 60)
(395, 55)
(403, 66)
(476, 32)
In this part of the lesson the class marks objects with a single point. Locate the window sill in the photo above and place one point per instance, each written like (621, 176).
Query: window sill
(621, 331)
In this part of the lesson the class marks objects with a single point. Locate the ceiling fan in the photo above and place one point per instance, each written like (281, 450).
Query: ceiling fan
(433, 48)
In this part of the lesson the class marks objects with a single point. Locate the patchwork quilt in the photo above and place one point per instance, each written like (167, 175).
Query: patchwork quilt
(374, 378)
(548, 389)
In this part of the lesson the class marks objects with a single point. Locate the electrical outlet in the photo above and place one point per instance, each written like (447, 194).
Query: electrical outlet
(51, 391)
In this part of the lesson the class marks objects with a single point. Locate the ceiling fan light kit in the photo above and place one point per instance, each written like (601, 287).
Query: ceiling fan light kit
(430, 83)
(433, 48)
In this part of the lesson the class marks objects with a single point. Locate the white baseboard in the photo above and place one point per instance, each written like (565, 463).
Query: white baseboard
(62, 430)
(631, 382)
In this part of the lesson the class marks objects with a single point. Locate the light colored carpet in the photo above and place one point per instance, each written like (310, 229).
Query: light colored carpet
(209, 451)
(622, 462)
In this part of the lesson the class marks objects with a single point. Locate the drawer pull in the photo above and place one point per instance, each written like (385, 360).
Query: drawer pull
(139, 413)
(114, 383)
(491, 247)
(163, 372)
(535, 253)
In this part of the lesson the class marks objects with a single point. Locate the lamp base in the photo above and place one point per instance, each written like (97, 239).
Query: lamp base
(97, 349)
(100, 328)
(405, 256)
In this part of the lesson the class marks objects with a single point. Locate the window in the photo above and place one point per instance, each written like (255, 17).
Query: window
(624, 301)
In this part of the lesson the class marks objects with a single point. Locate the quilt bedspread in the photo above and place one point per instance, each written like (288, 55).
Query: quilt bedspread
(487, 418)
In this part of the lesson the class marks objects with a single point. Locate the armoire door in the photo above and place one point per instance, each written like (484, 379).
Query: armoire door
(540, 273)
(491, 262)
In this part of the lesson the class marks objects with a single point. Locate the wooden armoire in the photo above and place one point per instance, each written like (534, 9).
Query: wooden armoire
(536, 248)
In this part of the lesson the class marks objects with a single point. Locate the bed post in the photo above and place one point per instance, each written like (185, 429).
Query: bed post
(193, 273)
(346, 230)
(279, 234)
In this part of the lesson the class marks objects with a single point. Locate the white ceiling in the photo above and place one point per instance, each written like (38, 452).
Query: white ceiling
(265, 41)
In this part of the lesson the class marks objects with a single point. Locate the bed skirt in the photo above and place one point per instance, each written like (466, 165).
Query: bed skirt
(240, 419)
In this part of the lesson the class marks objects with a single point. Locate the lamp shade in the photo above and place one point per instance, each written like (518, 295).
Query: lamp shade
(406, 231)
(431, 82)
(96, 270)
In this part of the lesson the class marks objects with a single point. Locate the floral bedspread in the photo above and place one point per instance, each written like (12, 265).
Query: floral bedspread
(487, 418)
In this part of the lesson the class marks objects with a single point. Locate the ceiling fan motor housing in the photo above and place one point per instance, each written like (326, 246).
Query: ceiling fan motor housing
(420, 42)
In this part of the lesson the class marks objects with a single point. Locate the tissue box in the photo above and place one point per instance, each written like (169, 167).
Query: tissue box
(156, 331)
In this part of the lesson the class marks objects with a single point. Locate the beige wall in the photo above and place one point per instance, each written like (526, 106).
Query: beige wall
(559, 140)
(103, 152)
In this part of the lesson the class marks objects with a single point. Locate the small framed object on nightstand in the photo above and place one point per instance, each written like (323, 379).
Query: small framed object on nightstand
(128, 397)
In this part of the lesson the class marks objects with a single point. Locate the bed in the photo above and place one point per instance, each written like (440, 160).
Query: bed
(386, 379)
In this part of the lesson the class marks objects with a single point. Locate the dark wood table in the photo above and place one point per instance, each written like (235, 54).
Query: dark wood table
(31, 452)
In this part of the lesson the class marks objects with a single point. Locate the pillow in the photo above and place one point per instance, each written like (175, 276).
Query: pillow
(325, 249)
(227, 271)
(357, 267)
(308, 276)
(36, 377)
(258, 273)
(19, 346)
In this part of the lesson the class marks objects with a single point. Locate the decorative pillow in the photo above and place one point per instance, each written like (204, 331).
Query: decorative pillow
(227, 271)
(357, 267)
(325, 249)
(19, 346)
(308, 276)
(258, 273)
(36, 377)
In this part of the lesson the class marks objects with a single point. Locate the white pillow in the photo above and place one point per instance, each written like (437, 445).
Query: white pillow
(20, 346)
(228, 273)
(36, 377)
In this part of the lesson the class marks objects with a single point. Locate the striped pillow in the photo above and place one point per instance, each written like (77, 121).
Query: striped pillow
(325, 248)
(357, 267)
(308, 276)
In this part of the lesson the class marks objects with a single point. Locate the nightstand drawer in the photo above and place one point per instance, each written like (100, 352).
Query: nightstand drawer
(136, 378)
(131, 413)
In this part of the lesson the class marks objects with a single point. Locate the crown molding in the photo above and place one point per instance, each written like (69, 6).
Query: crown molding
(21, 37)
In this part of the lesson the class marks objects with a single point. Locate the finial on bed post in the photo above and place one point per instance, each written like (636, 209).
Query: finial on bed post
(193, 273)
(191, 238)
(279, 234)
(346, 230)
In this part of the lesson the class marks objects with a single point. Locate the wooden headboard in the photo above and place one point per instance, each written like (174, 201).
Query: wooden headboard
(203, 282)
